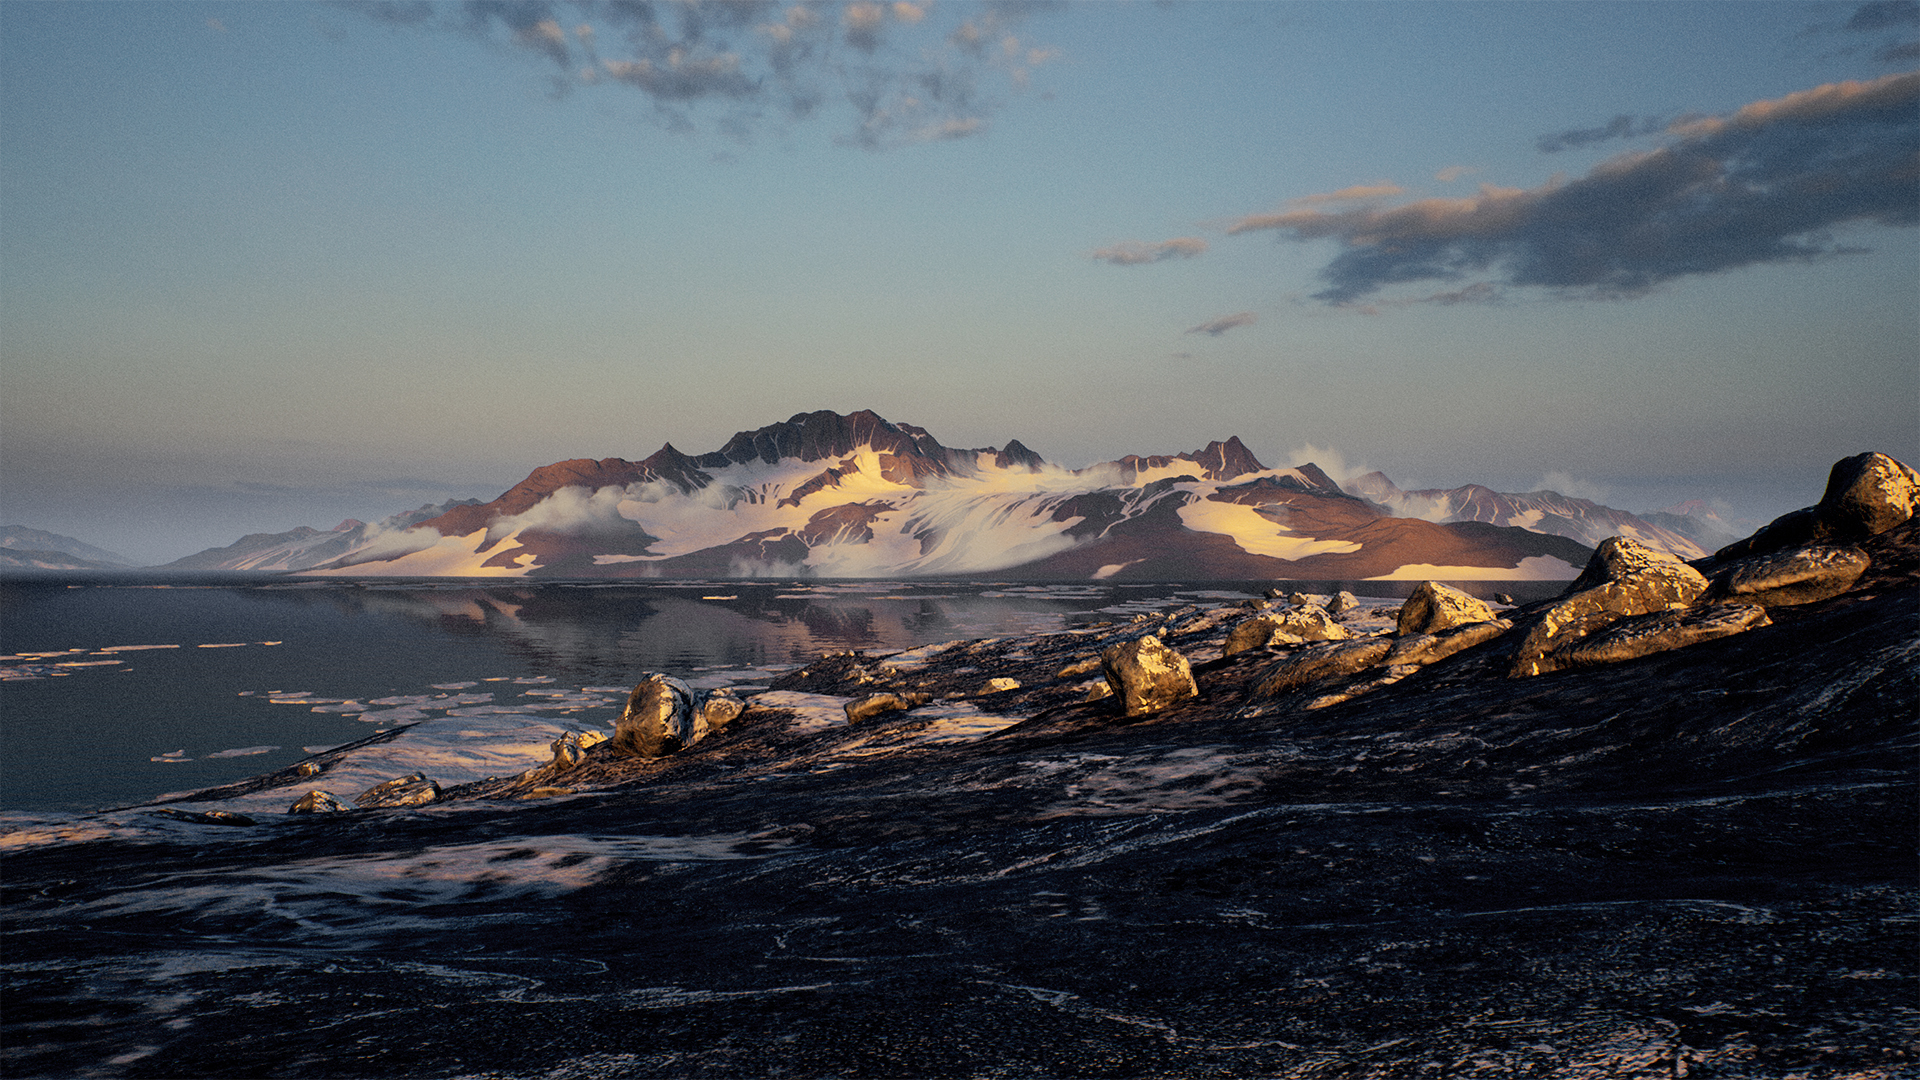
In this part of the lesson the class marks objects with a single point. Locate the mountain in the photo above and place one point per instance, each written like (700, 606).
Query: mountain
(22, 548)
(1696, 521)
(1540, 511)
(304, 547)
(827, 495)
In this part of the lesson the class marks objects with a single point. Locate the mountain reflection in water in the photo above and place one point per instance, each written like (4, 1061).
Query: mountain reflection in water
(113, 694)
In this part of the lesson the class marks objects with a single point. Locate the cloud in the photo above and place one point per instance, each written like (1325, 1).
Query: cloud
(1573, 488)
(1765, 184)
(1133, 253)
(1224, 323)
(907, 74)
(1454, 172)
(1379, 189)
(1620, 127)
(1884, 19)
(1884, 15)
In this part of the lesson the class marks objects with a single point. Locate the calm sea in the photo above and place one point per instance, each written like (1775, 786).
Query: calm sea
(114, 691)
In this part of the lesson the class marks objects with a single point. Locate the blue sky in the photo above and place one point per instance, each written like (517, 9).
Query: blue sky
(264, 265)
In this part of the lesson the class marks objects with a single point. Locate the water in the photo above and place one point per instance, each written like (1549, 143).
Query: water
(116, 691)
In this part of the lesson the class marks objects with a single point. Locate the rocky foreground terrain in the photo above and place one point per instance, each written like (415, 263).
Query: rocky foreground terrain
(1660, 825)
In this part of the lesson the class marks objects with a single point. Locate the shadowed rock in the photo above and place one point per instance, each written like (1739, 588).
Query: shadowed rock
(1323, 661)
(1644, 635)
(1434, 607)
(1795, 576)
(415, 790)
(659, 719)
(1866, 495)
(1342, 602)
(1147, 675)
(1423, 649)
(206, 817)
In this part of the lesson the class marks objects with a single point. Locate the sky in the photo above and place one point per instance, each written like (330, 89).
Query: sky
(271, 265)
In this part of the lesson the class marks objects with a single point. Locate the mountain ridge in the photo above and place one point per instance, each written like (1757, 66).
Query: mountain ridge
(828, 495)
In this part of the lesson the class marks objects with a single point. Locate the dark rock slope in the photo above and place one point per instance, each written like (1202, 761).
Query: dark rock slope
(1697, 861)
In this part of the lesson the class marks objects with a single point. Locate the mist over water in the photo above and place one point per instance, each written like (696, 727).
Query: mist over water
(117, 691)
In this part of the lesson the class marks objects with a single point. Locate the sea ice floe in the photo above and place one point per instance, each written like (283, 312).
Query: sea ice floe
(243, 751)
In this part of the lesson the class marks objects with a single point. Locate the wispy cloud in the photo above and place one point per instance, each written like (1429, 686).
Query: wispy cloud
(1620, 127)
(1886, 22)
(1132, 253)
(738, 67)
(1216, 327)
(1764, 184)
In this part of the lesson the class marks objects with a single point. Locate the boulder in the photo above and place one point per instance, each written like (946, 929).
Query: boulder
(1342, 602)
(872, 705)
(1644, 635)
(720, 709)
(1250, 634)
(415, 790)
(1423, 649)
(659, 719)
(1623, 578)
(1300, 599)
(1434, 607)
(1799, 575)
(1321, 661)
(1147, 675)
(999, 685)
(1866, 495)
(317, 802)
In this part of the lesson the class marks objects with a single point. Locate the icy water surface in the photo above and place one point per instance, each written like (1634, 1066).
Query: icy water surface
(117, 691)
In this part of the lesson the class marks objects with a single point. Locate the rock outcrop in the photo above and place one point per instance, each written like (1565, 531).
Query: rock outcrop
(414, 790)
(1800, 575)
(1307, 623)
(1314, 663)
(1643, 635)
(1623, 578)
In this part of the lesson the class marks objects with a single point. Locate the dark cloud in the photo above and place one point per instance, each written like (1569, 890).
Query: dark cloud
(1216, 327)
(1882, 18)
(1765, 184)
(1620, 127)
(909, 72)
(1884, 15)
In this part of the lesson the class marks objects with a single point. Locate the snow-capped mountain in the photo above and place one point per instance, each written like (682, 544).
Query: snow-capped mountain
(1540, 511)
(828, 495)
(303, 547)
(22, 548)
